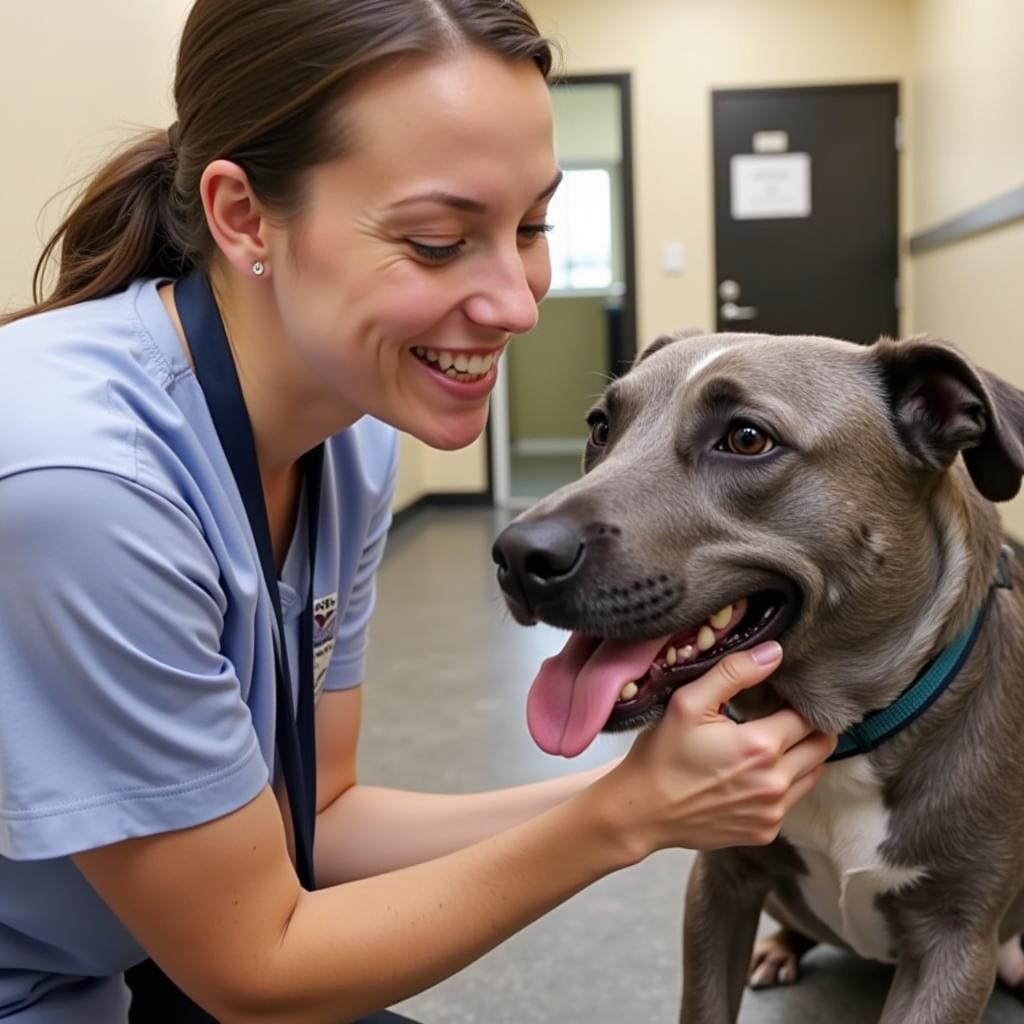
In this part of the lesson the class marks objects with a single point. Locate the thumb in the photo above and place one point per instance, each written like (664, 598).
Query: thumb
(733, 673)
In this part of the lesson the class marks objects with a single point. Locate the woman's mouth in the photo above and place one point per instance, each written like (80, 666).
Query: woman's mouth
(458, 366)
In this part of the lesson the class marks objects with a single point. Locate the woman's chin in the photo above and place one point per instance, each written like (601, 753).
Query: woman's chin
(450, 433)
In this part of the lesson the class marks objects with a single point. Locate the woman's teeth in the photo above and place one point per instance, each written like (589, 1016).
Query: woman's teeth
(458, 365)
(671, 656)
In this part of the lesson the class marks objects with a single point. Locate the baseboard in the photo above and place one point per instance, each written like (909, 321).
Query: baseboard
(443, 499)
(548, 446)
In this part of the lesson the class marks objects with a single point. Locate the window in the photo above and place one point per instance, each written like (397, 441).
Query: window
(581, 239)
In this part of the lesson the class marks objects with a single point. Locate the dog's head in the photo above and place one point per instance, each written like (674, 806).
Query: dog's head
(739, 488)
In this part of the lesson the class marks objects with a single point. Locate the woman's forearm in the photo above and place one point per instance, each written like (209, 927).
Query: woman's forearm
(369, 829)
(434, 918)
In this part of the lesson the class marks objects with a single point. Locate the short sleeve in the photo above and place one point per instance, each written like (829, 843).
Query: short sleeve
(348, 662)
(121, 717)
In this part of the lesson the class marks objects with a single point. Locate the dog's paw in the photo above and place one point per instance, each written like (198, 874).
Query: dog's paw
(776, 959)
(1010, 966)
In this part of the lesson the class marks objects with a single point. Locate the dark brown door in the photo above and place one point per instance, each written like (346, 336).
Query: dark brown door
(806, 213)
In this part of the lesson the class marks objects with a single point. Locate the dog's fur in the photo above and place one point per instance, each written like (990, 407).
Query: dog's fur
(876, 506)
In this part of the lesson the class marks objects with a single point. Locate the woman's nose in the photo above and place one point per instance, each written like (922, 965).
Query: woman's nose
(506, 299)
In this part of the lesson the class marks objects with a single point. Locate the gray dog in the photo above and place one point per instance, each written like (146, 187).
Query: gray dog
(745, 487)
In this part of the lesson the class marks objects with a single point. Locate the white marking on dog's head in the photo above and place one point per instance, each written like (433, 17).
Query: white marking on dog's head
(705, 360)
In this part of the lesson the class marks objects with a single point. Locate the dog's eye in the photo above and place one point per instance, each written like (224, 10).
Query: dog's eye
(746, 439)
(600, 429)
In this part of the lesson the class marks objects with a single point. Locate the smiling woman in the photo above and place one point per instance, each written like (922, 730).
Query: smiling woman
(336, 240)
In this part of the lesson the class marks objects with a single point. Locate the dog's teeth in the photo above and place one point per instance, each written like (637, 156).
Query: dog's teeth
(687, 653)
(670, 657)
(445, 360)
(629, 691)
(705, 638)
(432, 354)
(461, 363)
(721, 618)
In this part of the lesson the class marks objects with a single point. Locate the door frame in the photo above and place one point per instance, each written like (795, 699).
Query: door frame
(499, 473)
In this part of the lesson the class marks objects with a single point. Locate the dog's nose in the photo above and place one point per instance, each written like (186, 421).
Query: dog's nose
(537, 558)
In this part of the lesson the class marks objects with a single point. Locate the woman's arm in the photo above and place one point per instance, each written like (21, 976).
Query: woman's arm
(367, 830)
(220, 909)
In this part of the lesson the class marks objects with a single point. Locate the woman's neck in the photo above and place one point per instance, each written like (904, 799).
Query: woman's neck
(288, 413)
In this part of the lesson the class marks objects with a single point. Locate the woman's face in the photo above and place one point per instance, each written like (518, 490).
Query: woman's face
(422, 251)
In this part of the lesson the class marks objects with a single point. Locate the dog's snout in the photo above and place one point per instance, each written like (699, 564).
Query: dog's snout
(537, 558)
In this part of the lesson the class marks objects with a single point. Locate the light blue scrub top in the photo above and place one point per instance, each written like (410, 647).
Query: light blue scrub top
(136, 653)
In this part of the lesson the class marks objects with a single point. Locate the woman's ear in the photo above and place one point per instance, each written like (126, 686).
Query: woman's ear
(234, 215)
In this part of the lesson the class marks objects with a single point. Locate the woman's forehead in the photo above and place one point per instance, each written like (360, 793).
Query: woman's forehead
(465, 114)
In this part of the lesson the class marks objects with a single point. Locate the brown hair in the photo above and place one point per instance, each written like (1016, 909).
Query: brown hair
(257, 83)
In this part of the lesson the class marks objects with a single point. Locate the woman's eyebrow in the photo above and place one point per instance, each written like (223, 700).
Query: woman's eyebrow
(464, 202)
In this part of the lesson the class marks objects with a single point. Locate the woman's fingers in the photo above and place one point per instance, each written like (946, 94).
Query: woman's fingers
(779, 731)
(733, 673)
(803, 758)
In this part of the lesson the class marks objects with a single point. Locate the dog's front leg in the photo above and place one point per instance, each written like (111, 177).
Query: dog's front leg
(943, 976)
(723, 904)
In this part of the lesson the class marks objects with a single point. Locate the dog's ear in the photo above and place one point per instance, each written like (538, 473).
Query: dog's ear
(942, 404)
(667, 339)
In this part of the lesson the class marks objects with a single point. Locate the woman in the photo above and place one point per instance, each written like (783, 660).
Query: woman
(337, 238)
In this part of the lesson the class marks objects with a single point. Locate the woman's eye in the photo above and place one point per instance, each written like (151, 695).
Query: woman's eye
(746, 439)
(600, 430)
(533, 231)
(435, 253)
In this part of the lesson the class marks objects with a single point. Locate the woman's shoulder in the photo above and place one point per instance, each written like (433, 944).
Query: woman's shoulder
(81, 382)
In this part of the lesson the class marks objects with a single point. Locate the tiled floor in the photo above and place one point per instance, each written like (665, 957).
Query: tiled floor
(445, 700)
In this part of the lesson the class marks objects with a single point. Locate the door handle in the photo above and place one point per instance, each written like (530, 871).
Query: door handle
(730, 311)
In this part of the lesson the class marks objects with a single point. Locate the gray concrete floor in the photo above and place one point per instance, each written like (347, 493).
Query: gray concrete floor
(445, 711)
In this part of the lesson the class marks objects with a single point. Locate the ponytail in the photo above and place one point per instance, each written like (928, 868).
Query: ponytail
(123, 226)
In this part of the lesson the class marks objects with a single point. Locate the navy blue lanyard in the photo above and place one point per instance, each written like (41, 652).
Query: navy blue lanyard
(215, 369)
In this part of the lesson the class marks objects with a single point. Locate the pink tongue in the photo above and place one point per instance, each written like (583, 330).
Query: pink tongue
(576, 689)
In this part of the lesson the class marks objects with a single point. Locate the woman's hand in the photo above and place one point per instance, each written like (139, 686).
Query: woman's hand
(700, 780)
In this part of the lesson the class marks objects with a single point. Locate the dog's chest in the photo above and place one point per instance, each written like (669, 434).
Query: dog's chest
(837, 830)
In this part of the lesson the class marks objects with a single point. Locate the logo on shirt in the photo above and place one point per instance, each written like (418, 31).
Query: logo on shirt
(325, 623)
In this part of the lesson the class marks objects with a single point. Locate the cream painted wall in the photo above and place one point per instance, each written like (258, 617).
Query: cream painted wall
(76, 80)
(967, 140)
(677, 51)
